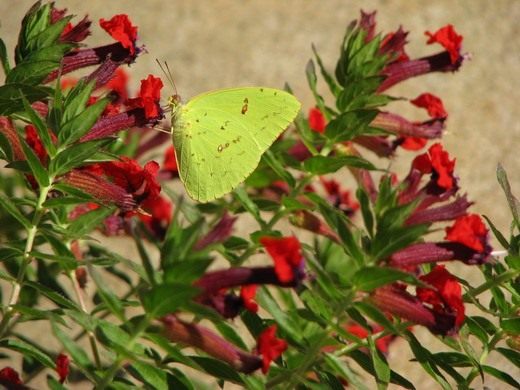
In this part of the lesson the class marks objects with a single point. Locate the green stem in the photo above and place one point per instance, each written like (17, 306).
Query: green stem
(81, 301)
(39, 211)
(497, 281)
(114, 368)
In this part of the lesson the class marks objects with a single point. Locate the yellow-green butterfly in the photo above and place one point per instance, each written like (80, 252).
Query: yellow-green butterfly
(220, 136)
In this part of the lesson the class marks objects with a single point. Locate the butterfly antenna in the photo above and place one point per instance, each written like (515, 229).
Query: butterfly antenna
(167, 73)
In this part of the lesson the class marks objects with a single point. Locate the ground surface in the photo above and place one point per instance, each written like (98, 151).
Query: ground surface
(225, 43)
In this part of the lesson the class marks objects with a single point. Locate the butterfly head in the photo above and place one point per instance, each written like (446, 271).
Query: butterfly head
(174, 101)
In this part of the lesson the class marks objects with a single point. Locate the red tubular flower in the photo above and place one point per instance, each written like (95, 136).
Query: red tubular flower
(220, 232)
(438, 163)
(445, 296)
(446, 212)
(206, 340)
(139, 181)
(62, 367)
(101, 189)
(10, 379)
(34, 142)
(159, 217)
(449, 39)
(401, 126)
(270, 347)
(214, 282)
(317, 121)
(149, 97)
(306, 220)
(118, 85)
(9, 131)
(367, 22)
(170, 163)
(393, 45)
(338, 197)
(247, 294)
(122, 30)
(470, 231)
(71, 33)
(397, 301)
(287, 256)
(109, 56)
(432, 104)
(382, 343)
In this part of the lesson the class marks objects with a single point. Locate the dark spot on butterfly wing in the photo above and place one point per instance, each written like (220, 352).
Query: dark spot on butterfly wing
(245, 106)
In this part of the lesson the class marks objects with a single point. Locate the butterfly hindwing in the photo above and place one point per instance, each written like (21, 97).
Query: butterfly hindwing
(221, 135)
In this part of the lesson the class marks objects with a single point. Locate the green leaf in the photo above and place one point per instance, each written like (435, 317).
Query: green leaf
(27, 349)
(271, 159)
(286, 322)
(37, 169)
(510, 354)
(334, 88)
(500, 237)
(11, 101)
(366, 363)
(76, 100)
(349, 125)
(60, 300)
(179, 380)
(76, 155)
(112, 301)
(249, 205)
(78, 354)
(341, 368)
(4, 58)
(79, 125)
(504, 377)
(40, 126)
(321, 165)
(312, 80)
(86, 223)
(218, 369)
(230, 333)
(423, 356)
(369, 278)
(511, 326)
(186, 272)
(380, 365)
(11, 208)
(54, 384)
(149, 374)
(512, 201)
(167, 298)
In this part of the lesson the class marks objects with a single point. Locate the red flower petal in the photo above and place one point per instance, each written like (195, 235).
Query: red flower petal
(270, 347)
(446, 295)
(468, 230)
(248, 293)
(121, 29)
(140, 182)
(33, 140)
(442, 165)
(286, 253)
(170, 161)
(62, 366)
(432, 104)
(9, 376)
(449, 39)
(149, 97)
(413, 143)
(317, 121)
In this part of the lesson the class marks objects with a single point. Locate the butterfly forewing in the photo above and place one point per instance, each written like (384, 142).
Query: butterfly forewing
(220, 136)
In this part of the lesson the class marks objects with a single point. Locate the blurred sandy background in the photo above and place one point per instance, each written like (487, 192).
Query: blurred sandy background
(226, 43)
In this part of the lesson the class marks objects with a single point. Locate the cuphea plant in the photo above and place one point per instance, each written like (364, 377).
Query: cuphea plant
(322, 297)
